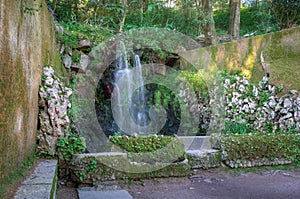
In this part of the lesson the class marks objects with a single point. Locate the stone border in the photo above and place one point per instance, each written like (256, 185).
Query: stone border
(41, 184)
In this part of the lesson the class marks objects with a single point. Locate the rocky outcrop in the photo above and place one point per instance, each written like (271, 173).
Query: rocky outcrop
(53, 105)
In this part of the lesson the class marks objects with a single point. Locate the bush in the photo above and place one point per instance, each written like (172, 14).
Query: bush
(152, 149)
(258, 146)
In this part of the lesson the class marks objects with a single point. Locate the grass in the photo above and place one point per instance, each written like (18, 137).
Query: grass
(9, 185)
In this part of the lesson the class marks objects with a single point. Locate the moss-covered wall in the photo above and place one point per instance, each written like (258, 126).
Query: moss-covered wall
(27, 43)
(281, 53)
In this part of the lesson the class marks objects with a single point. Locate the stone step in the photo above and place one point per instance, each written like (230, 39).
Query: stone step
(41, 184)
(204, 158)
(195, 142)
(103, 191)
(119, 194)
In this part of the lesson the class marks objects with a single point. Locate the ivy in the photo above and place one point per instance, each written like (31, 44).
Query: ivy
(72, 144)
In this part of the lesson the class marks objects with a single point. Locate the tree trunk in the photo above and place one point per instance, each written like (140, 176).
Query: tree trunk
(209, 27)
(124, 2)
(234, 20)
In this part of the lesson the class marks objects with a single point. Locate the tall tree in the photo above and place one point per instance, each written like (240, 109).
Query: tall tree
(209, 26)
(234, 20)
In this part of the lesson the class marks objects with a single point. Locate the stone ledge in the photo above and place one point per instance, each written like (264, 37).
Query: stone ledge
(258, 162)
(90, 168)
(41, 184)
(204, 158)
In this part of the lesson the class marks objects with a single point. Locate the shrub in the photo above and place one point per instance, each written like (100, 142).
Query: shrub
(257, 146)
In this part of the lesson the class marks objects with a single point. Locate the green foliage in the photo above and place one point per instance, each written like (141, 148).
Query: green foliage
(92, 167)
(285, 12)
(81, 175)
(142, 144)
(187, 17)
(72, 144)
(197, 81)
(46, 153)
(236, 128)
(76, 31)
(264, 96)
(253, 20)
(44, 77)
(253, 146)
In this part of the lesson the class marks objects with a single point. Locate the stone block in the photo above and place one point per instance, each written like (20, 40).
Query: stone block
(204, 159)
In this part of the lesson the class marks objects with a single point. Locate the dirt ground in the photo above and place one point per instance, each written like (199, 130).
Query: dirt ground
(213, 184)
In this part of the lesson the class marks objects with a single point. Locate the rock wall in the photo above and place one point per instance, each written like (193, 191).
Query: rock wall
(247, 107)
(53, 103)
(27, 43)
(279, 52)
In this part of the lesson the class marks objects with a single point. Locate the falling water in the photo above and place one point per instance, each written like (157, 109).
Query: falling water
(136, 104)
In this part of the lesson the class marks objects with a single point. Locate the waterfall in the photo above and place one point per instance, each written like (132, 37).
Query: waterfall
(130, 104)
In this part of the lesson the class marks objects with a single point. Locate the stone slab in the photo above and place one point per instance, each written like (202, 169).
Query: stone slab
(34, 192)
(43, 173)
(41, 184)
(102, 154)
(204, 158)
(195, 142)
(117, 194)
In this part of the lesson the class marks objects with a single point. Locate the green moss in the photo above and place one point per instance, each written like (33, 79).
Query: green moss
(152, 149)
(214, 50)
